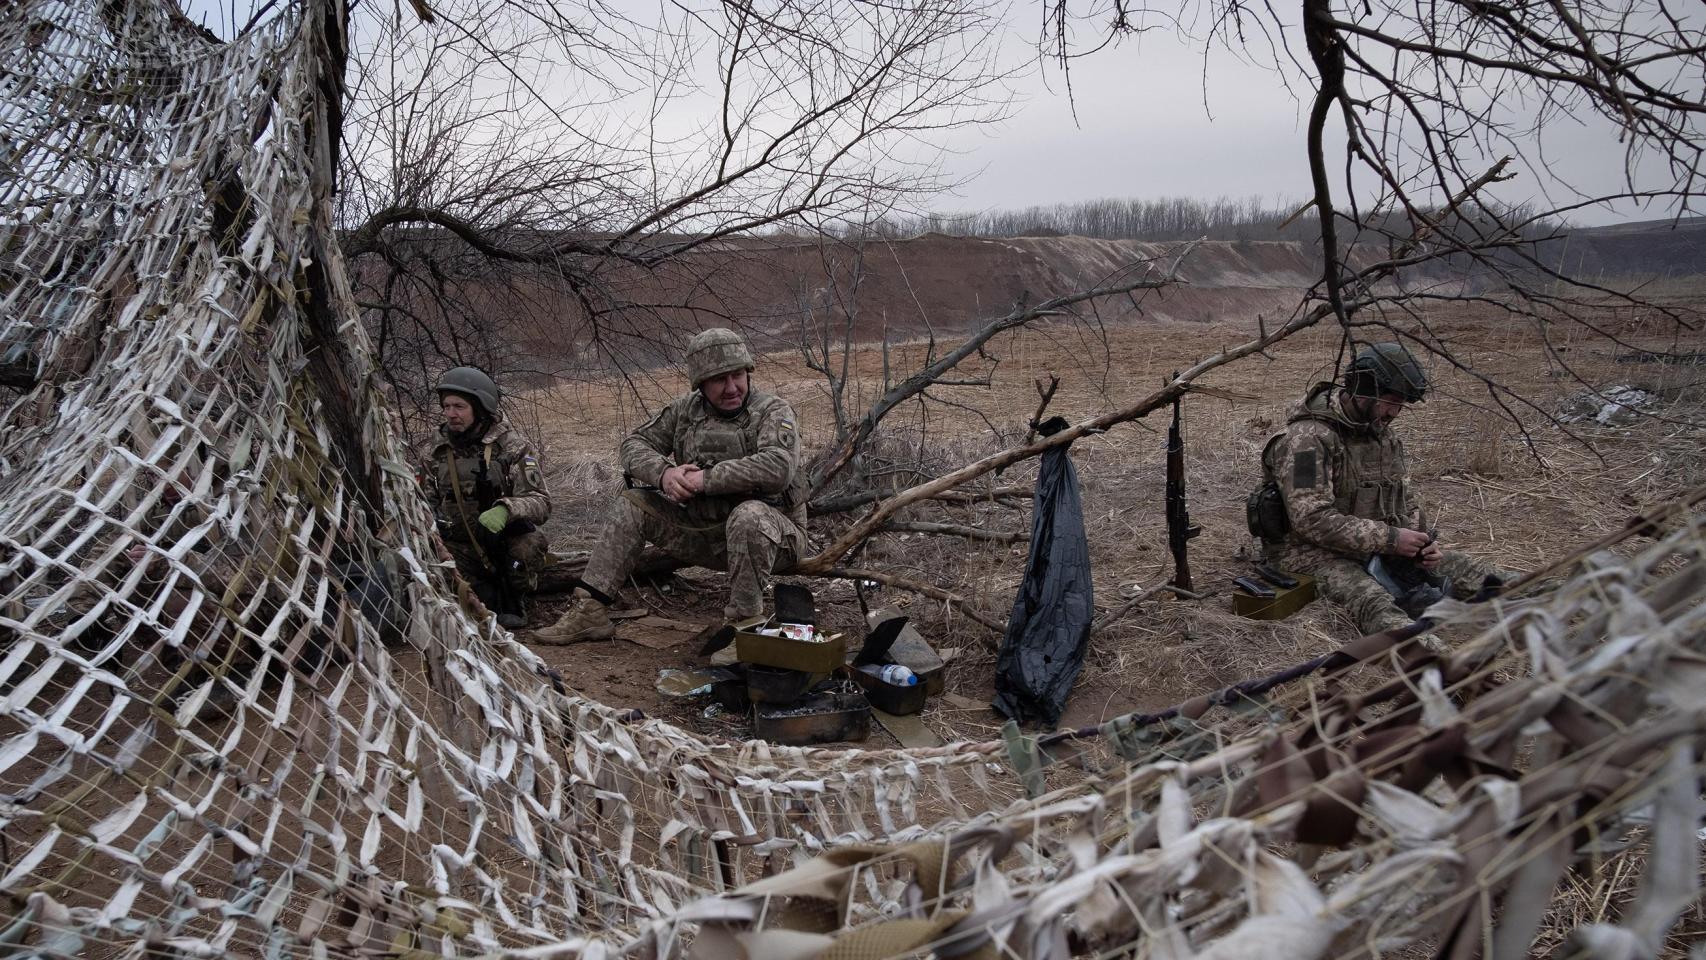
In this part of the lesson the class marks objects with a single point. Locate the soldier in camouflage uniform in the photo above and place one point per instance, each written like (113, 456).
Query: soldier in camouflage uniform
(489, 496)
(721, 487)
(1337, 492)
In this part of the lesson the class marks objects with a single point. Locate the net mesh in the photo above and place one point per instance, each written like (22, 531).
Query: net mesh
(244, 712)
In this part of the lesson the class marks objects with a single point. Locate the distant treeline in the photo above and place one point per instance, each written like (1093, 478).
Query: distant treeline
(1165, 218)
(1177, 218)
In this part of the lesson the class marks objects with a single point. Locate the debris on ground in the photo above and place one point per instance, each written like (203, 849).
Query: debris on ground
(1615, 406)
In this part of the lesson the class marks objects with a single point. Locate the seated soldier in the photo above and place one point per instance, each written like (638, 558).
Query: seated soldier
(489, 496)
(722, 487)
(1336, 494)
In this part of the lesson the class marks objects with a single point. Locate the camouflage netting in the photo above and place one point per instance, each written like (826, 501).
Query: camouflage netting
(242, 711)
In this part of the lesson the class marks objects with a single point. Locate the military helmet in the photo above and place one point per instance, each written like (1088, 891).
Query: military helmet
(472, 382)
(715, 352)
(1386, 368)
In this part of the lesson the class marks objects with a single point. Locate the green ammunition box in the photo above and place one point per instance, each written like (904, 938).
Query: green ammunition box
(1284, 603)
(822, 654)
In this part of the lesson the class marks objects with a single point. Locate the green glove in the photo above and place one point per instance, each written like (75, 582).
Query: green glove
(495, 519)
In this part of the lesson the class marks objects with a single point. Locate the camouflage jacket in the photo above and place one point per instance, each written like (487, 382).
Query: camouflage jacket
(511, 471)
(753, 455)
(1345, 484)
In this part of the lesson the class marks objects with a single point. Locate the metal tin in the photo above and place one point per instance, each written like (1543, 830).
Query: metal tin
(826, 717)
(892, 697)
(1282, 604)
(770, 685)
(912, 652)
(822, 655)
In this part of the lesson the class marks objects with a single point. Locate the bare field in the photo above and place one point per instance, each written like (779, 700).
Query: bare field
(1518, 495)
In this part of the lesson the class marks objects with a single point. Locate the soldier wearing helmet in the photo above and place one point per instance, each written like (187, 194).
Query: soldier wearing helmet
(718, 484)
(1336, 492)
(488, 495)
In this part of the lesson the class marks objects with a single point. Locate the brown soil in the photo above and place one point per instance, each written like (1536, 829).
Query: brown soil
(1517, 495)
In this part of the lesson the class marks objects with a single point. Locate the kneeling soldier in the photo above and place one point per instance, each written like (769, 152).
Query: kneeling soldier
(489, 496)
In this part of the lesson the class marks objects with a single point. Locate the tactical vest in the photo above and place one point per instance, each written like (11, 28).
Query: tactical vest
(1370, 477)
(710, 439)
(476, 497)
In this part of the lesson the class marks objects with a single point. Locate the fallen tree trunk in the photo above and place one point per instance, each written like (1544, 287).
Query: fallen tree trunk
(563, 575)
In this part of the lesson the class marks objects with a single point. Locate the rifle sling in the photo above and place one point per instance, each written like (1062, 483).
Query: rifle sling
(462, 511)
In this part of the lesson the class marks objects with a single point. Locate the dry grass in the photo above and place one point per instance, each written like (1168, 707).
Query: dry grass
(1517, 493)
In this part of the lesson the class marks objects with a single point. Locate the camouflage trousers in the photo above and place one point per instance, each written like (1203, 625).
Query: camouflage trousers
(754, 541)
(528, 554)
(1348, 584)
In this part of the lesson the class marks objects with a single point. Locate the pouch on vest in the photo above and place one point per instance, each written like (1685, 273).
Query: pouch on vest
(1264, 513)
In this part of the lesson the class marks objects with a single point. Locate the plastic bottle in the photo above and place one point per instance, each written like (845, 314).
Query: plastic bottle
(891, 673)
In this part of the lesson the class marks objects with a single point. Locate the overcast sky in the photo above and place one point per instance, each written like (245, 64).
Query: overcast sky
(1153, 120)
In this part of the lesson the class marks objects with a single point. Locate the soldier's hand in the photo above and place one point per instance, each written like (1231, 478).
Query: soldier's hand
(693, 478)
(1431, 555)
(1410, 543)
(677, 487)
(495, 519)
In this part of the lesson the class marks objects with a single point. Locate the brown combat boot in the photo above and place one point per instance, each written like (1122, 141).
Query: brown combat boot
(586, 619)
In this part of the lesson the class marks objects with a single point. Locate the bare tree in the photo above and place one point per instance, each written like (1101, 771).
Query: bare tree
(1417, 112)
(563, 175)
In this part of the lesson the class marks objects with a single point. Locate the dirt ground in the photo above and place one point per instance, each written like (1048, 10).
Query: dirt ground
(1516, 491)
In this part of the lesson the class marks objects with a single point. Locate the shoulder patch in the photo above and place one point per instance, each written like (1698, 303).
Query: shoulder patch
(1303, 469)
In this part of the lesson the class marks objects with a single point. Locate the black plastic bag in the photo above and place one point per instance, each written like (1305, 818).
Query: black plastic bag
(1050, 627)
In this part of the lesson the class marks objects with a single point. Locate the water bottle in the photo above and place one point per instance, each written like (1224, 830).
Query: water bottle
(893, 674)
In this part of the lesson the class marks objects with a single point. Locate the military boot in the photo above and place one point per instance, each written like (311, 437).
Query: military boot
(513, 615)
(586, 619)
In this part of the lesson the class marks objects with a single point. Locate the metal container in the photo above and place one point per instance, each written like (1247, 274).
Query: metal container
(820, 655)
(731, 693)
(892, 697)
(1282, 604)
(830, 716)
(770, 685)
(911, 651)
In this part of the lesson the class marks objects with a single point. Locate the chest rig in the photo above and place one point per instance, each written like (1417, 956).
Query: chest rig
(710, 439)
(468, 479)
(1369, 479)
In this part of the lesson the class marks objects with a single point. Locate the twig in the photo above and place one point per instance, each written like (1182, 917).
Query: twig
(1107, 618)
(956, 530)
(1047, 394)
(918, 587)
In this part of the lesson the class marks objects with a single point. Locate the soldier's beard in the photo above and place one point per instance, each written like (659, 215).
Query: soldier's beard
(1363, 412)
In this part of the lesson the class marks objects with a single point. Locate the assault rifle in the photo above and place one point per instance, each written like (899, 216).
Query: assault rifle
(496, 545)
(1180, 530)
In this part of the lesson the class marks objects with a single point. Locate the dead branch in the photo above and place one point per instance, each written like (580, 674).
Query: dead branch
(1046, 394)
(853, 501)
(834, 459)
(918, 587)
(1105, 619)
(1178, 387)
(956, 530)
